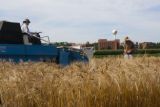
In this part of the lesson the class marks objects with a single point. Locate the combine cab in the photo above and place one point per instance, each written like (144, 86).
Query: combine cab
(16, 46)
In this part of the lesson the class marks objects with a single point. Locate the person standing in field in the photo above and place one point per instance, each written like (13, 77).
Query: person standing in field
(25, 25)
(33, 37)
(128, 48)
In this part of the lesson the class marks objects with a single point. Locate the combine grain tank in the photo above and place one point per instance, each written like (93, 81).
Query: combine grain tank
(16, 46)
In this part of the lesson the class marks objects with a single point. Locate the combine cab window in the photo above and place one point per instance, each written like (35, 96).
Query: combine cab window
(10, 33)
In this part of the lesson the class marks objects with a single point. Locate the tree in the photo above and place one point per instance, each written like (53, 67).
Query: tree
(96, 46)
(121, 47)
(108, 47)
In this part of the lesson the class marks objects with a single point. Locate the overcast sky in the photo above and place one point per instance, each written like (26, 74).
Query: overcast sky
(87, 20)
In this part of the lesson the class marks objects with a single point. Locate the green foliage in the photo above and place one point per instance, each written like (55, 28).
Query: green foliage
(121, 47)
(135, 55)
(108, 52)
(108, 47)
(61, 44)
(157, 45)
(106, 56)
(96, 46)
(147, 51)
(120, 52)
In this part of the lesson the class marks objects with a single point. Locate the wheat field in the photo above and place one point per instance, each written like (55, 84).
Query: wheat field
(108, 82)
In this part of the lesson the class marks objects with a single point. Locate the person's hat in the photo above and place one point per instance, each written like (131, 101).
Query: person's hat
(126, 38)
(27, 20)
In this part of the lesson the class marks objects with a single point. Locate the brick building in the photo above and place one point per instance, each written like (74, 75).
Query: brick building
(146, 45)
(104, 44)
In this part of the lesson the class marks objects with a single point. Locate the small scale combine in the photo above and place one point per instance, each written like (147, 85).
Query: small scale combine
(16, 46)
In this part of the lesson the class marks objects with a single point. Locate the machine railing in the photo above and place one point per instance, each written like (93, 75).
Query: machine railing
(41, 38)
(26, 38)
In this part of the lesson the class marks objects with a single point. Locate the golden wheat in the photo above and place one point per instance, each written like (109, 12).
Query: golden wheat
(108, 82)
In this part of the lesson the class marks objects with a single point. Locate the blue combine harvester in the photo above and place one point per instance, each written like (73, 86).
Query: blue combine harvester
(16, 46)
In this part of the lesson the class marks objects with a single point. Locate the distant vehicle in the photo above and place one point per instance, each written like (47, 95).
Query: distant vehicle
(16, 46)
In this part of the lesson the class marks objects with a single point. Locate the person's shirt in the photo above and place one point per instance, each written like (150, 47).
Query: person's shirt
(128, 45)
(25, 28)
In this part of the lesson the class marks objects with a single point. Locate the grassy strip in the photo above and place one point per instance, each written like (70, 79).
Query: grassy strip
(135, 55)
(119, 52)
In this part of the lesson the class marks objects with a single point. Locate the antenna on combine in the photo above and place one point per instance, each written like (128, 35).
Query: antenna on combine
(114, 33)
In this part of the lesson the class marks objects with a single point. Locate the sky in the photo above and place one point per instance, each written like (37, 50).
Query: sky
(80, 21)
